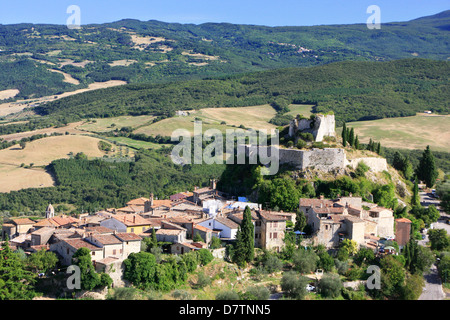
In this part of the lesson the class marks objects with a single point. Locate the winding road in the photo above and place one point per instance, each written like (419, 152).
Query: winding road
(433, 286)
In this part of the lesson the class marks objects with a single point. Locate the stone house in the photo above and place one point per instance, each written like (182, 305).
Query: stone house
(41, 236)
(402, 231)
(133, 223)
(345, 218)
(226, 227)
(204, 232)
(183, 247)
(101, 246)
(67, 248)
(17, 227)
(61, 221)
(171, 235)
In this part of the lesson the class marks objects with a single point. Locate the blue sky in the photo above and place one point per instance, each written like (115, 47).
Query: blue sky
(260, 12)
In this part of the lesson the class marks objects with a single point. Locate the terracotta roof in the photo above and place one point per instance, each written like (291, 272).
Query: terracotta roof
(227, 222)
(107, 260)
(127, 236)
(56, 221)
(81, 243)
(161, 203)
(405, 220)
(137, 202)
(43, 230)
(186, 244)
(305, 202)
(106, 239)
(22, 221)
(202, 228)
(169, 231)
(131, 219)
(181, 195)
(271, 216)
(331, 210)
(99, 229)
(128, 209)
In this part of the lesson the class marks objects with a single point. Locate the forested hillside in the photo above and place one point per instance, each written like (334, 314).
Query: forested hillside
(353, 90)
(152, 51)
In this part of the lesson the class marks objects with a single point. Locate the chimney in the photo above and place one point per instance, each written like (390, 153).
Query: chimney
(151, 199)
(134, 219)
(321, 197)
(213, 184)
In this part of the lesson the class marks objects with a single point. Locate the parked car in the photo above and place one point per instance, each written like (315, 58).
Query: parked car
(310, 288)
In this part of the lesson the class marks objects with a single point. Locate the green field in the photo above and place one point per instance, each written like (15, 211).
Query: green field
(109, 124)
(136, 144)
(256, 117)
(406, 133)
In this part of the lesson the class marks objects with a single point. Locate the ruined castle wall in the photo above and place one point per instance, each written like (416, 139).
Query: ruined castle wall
(326, 127)
(375, 164)
(326, 159)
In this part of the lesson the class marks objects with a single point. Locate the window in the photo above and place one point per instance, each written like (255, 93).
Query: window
(93, 253)
(68, 251)
(275, 235)
(114, 252)
(326, 227)
(275, 224)
(132, 229)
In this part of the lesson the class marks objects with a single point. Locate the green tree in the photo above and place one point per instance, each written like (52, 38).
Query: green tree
(216, 243)
(205, 256)
(364, 256)
(89, 278)
(42, 261)
(326, 262)
(300, 220)
(305, 261)
(427, 170)
(415, 199)
(140, 269)
(344, 135)
(293, 285)
(351, 137)
(330, 285)
(357, 144)
(16, 283)
(392, 277)
(245, 242)
(439, 239)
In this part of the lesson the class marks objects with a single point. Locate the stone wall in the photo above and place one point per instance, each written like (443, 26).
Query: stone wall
(321, 126)
(327, 159)
(375, 164)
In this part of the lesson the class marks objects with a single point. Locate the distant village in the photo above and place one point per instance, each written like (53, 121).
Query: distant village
(112, 234)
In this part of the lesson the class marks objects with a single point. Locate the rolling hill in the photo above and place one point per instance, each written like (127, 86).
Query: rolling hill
(31, 55)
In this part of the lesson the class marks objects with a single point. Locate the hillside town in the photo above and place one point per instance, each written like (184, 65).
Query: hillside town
(111, 235)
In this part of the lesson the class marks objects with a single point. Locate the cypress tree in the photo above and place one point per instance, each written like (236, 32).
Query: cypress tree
(370, 145)
(379, 148)
(344, 135)
(427, 171)
(245, 243)
(351, 137)
(415, 200)
(356, 143)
